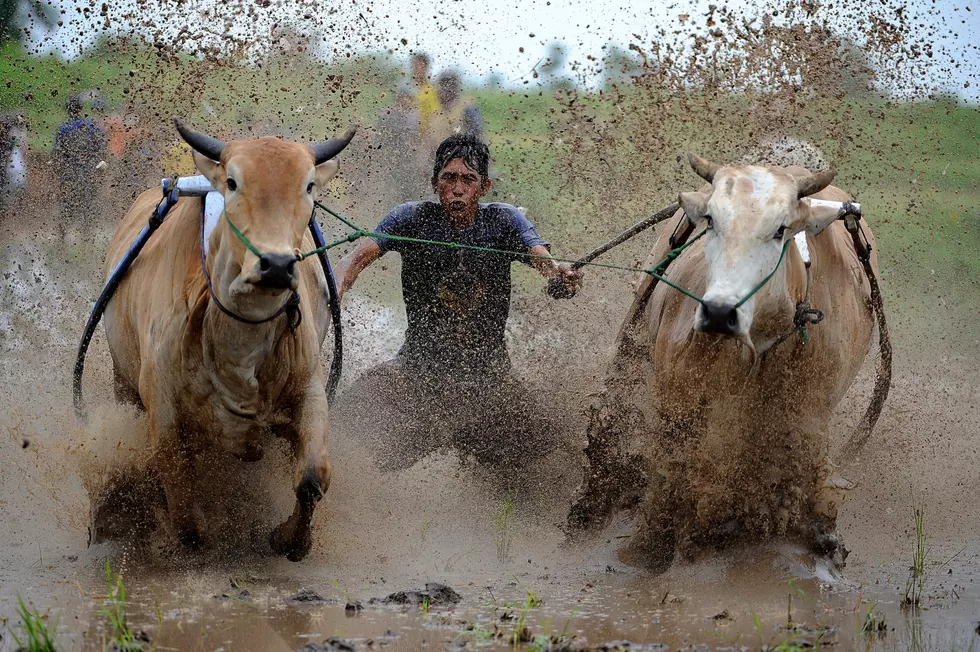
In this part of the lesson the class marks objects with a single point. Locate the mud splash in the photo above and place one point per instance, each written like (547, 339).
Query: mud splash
(585, 164)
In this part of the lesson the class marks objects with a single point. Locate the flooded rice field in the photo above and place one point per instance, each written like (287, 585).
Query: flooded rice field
(447, 554)
(589, 131)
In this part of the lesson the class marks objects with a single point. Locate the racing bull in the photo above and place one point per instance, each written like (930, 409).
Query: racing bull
(217, 335)
(725, 360)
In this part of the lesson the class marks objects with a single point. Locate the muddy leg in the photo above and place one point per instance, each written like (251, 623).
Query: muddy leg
(293, 538)
(821, 534)
(124, 392)
(653, 544)
(611, 478)
(176, 467)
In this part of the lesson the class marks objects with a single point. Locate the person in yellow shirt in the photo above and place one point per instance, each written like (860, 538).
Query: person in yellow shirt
(178, 160)
(456, 115)
(426, 98)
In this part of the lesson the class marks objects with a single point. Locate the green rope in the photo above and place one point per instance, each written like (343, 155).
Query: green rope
(241, 236)
(338, 216)
(766, 279)
(660, 268)
(360, 233)
(657, 271)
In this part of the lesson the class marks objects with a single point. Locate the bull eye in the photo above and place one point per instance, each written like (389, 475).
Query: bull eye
(309, 188)
(709, 222)
(232, 185)
(780, 232)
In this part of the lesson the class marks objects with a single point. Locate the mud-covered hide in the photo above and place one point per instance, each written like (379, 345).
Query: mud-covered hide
(717, 445)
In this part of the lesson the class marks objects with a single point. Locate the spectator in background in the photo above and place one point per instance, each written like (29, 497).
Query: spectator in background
(178, 160)
(398, 128)
(13, 159)
(79, 148)
(123, 132)
(456, 114)
(427, 101)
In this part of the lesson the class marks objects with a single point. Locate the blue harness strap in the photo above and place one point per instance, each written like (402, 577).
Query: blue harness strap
(198, 187)
(170, 197)
(337, 364)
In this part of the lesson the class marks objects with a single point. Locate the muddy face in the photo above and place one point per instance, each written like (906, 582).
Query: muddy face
(750, 217)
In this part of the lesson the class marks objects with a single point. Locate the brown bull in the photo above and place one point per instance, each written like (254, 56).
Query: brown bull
(226, 368)
(741, 400)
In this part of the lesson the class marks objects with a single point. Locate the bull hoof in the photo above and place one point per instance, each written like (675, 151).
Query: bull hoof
(587, 513)
(824, 540)
(190, 528)
(190, 537)
(652, 548)
(291, 542)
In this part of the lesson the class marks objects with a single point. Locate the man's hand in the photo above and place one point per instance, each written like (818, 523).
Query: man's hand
(565, 283)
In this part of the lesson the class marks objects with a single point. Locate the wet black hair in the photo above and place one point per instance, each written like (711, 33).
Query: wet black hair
(468, 147)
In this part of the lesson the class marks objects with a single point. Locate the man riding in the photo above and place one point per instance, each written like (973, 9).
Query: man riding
(450, 384)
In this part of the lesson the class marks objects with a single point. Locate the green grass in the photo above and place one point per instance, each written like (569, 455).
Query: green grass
(521, 633)
(504, 525)
(874, 623)
(478, 633)
(37, 635)
(122, 638)
(915, 586)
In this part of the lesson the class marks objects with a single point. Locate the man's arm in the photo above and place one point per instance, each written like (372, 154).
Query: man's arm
(563, 281)
(353, 263)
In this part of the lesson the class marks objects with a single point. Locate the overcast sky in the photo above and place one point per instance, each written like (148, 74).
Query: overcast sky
(511, 37)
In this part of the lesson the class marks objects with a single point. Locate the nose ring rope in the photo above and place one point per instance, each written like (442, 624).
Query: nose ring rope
(658, 271)
(294, 317)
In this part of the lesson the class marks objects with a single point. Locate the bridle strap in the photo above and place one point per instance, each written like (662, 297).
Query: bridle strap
(294, 317)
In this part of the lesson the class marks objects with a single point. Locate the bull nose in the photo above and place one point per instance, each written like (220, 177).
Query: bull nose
(719, 318)
(277, 271)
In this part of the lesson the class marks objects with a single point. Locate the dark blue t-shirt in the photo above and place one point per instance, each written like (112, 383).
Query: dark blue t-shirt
(80, 140)
(457, 300)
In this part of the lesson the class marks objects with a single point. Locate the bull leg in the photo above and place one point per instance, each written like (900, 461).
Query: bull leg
(654, 542)
(821, 534)
(124, 392)
(293, 538)
(611, 478)
(176, 466)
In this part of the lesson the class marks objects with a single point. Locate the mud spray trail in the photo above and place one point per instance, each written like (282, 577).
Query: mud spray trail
(835, 86)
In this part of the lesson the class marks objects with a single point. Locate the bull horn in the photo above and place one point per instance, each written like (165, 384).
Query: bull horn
(814, 183)
(325, 151)
(705, 168)
(210, 147)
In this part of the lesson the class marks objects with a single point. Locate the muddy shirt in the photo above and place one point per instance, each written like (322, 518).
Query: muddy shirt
(456, 300)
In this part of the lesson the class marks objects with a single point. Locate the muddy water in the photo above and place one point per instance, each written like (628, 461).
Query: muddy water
(493, 540)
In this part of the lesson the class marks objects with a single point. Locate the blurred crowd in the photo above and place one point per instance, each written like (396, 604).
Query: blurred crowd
(426, 111)
(100, 159)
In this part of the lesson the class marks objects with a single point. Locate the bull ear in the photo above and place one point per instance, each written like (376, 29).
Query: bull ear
(819, 215)
(695, 205)
(208, 168)
(325, 172)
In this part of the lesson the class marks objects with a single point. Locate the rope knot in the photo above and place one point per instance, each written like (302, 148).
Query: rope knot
(806, 316)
